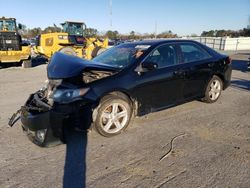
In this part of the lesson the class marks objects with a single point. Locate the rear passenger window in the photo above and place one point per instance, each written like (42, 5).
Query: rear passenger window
(191, 52)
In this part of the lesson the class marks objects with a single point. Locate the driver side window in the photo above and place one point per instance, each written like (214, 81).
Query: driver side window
(163, 56)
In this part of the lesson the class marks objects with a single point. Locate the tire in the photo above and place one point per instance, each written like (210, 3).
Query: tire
(213, 90)
(68, 51)
(113, 116)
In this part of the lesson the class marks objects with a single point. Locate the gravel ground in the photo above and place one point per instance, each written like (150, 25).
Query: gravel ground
(210, 143)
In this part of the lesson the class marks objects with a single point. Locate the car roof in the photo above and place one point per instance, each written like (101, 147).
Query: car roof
(153, 42)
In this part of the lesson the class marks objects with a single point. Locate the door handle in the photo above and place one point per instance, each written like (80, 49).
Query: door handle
(210, 64)
(180, 73)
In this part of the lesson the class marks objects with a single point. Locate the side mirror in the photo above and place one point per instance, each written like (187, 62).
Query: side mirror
(146, 66)
(149, 65)
(20, 26)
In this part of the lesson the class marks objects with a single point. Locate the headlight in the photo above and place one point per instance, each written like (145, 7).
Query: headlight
(51, 84)
(45, 85)
(68, 95)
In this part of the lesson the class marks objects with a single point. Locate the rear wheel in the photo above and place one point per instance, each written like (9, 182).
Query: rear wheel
(213, 90)
(113, 116)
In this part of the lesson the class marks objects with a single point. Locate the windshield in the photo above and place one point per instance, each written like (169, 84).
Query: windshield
(7, 25)
(121, 56)
(73, 28)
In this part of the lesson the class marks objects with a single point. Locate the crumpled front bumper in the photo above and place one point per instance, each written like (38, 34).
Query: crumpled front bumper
(55, 120)
(50, 121)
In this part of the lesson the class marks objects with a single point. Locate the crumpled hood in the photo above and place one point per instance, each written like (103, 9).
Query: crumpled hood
(66, 66)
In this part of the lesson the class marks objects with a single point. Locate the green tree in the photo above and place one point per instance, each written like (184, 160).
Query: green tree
(210, 33)
(52, 29)
(132, 35)
(167, 34)
(90, 32)
(221, 33)
(35, 32)
(112, 34)
(194, 35)
(246, 32)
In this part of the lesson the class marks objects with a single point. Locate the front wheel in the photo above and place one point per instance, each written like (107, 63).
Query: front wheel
(113, 116)
(213, 90)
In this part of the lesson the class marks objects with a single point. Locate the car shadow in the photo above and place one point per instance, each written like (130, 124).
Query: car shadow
(37, 61)
(75, 160)
(239, 65)
(241, 84)
(243, 53)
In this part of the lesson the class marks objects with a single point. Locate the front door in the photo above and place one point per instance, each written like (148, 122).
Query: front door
(160, 87)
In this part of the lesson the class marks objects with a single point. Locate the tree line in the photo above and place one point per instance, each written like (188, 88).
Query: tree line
(115, 35)
(92, 32)
(245, 32)
(227, 33)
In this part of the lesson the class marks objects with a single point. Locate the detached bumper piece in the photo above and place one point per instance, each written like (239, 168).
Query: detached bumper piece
(44, 129)
(45, 125)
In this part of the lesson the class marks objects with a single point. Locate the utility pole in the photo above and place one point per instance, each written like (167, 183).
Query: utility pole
(155, 29)
(110, 13)
(248, 26)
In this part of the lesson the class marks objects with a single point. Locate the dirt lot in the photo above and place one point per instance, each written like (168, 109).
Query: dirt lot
(211, 143)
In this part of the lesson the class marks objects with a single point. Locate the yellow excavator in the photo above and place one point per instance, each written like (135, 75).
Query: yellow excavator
(12, 50)
(71, 41)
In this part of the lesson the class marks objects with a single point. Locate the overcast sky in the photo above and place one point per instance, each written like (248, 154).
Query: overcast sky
(183, 17)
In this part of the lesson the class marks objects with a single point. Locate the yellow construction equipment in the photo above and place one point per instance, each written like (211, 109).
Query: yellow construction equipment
(71, 40)
(11, 48)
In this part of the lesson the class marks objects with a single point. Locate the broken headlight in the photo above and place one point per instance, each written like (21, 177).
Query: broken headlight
(68, 95)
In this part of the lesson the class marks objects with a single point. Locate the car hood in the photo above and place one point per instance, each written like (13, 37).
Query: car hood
(64, 66)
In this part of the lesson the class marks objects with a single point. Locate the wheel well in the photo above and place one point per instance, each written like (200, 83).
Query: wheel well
(120, 94)
(222, 78)
(133, 102)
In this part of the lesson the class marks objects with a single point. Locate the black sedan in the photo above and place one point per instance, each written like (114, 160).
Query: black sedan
(131, 79)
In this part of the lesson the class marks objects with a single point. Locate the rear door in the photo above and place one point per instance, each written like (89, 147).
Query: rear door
(197, 65)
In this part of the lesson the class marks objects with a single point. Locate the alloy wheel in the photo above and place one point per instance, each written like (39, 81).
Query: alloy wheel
(215, 90)
(114, 118)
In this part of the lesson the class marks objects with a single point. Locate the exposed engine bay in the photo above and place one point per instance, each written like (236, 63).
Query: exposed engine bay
(93, 75)
(63, 101)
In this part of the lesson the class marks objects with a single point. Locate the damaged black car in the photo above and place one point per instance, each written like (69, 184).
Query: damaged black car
(128, 80)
